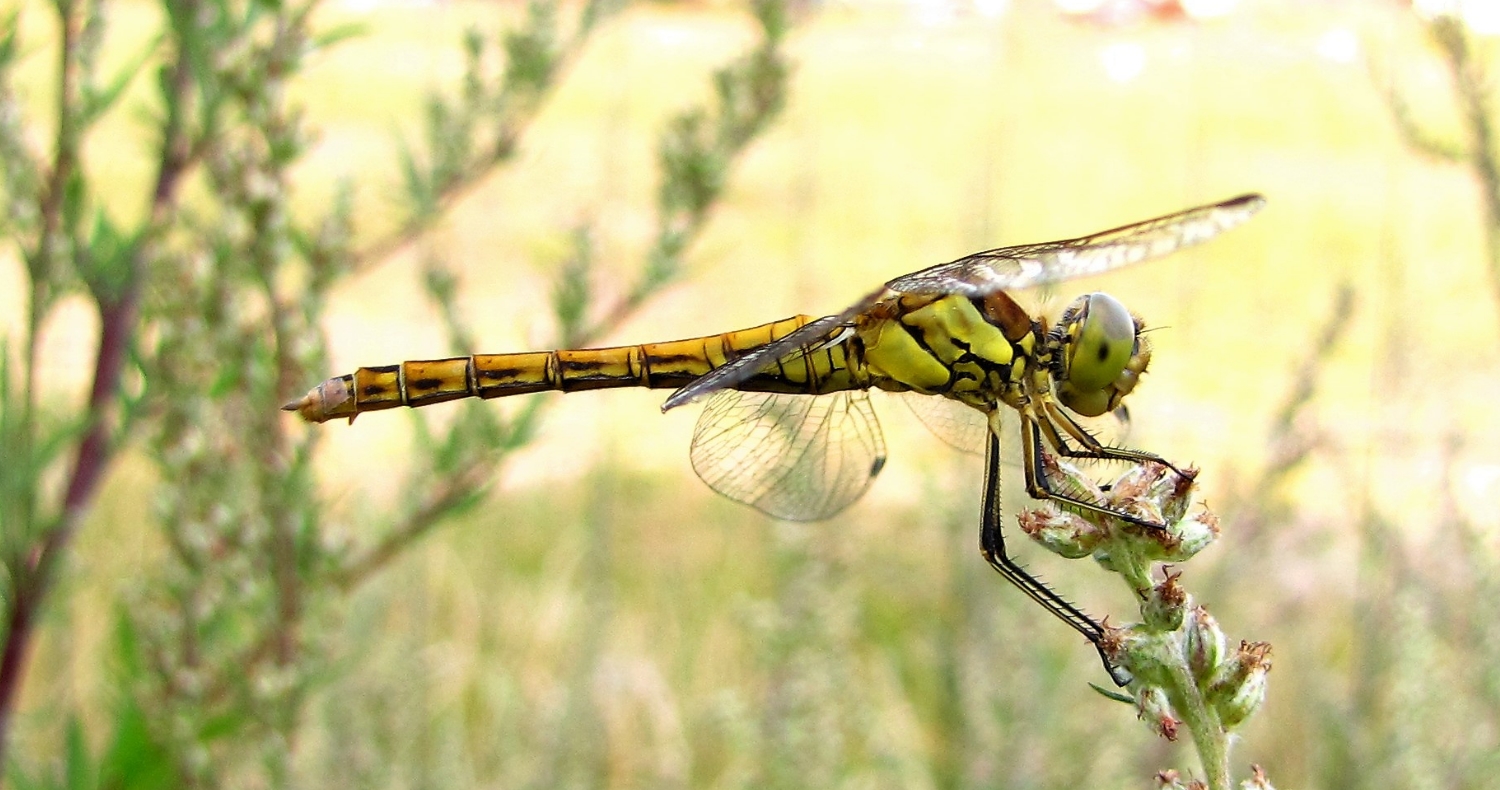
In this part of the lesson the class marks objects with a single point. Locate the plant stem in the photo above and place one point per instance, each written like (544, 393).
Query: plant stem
(1209, 737)
(118, 314)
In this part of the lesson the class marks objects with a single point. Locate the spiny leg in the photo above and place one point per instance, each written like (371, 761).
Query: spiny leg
(1039, 486)
(1089, 446)
(992, 545)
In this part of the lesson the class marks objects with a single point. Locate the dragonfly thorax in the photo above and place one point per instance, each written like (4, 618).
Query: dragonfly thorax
(1098, 354)
(970, 350)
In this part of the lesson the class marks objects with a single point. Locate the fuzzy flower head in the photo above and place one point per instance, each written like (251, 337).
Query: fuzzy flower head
(1151, 493)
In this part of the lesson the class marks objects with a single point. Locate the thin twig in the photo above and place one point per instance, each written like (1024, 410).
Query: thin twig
(1471, 84)
(482, 166)
(416, 524)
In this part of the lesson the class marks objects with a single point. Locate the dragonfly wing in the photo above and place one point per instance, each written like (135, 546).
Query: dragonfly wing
(795, 457)
(808, 336)
(962, 427)
(1030, 265)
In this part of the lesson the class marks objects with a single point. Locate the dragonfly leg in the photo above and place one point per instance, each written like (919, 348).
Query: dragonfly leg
(1039, 486)
(1090, 447)
(992, 545)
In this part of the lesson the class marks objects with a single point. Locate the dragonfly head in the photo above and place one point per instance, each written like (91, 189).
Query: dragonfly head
(1100, 354)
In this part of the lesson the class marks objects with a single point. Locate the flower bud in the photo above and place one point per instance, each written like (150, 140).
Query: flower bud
(1069, 479)
(1147, 655)
(1061, 532)
(1242, 687)
(1165, 605)
(1137, 481)
(1204, 645)
(1191, 535)
(1156, 711)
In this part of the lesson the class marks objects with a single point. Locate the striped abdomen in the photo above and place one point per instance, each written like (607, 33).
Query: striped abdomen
(658, 365)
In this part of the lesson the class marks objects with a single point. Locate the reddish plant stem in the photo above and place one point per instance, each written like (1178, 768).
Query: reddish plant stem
(118, 314)
(94, 454)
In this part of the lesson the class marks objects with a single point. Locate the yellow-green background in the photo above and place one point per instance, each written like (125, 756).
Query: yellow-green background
(910, 137)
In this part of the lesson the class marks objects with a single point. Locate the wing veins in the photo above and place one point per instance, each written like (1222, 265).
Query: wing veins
(1027, 265)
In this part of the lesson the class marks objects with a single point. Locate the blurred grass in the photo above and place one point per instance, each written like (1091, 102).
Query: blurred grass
(608, 597)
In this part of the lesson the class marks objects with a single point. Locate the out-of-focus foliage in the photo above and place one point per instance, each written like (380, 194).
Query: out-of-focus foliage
(283, 614)
(216, 300)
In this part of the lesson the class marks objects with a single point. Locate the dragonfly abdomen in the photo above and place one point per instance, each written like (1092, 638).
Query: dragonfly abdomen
(669, 365)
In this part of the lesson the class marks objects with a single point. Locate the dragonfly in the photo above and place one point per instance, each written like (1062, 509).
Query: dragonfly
(788, 427)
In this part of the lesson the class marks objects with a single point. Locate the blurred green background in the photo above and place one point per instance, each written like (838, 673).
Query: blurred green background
(602, 619)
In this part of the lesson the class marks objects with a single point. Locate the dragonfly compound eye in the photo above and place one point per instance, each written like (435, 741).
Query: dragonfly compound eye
(1103, 355)
(1106, 340)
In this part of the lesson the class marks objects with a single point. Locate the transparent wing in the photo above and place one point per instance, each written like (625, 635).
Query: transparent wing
(795, 457)
(961, 427)
(967, 429)
(810, 335)
(1037, 264)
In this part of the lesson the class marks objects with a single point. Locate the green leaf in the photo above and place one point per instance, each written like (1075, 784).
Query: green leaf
(1114, 695)
(572, 291)
(126, 645)
(338, 33)
(34, 443)
(77, 767)
(421, 199)
(449, 139)
(107, 266)
(97, 101)
(692, 172)
(531, 53)
(134, 759)
(9, 40)
(75, 199)
(473, 43)
(771, 14)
